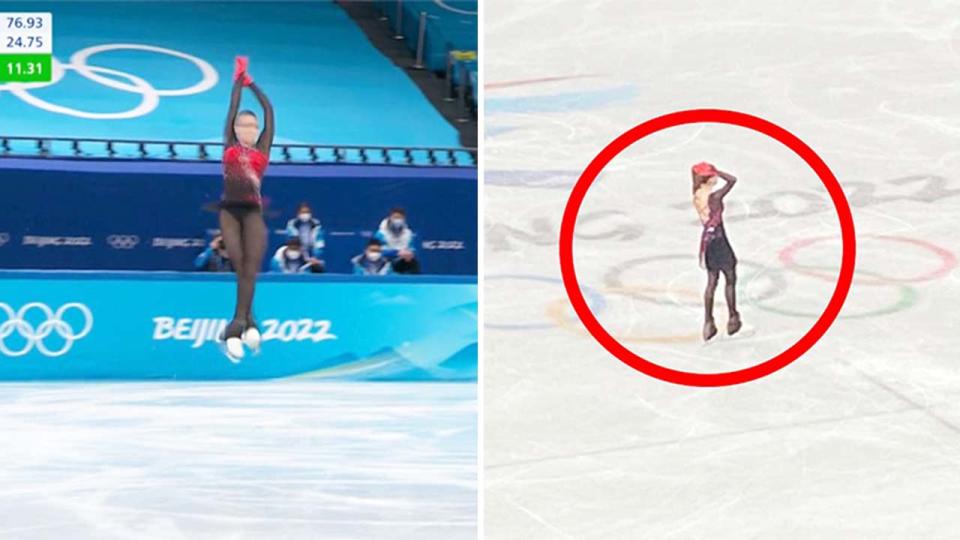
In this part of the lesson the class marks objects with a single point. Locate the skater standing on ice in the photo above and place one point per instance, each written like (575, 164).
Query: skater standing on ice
(716, 255)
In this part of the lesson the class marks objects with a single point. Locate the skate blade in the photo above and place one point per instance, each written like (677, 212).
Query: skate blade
(744, 332)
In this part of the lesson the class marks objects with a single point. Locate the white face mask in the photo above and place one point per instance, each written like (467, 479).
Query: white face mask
(304, 216)
(374, 255)
(293, 253)
(397, 222)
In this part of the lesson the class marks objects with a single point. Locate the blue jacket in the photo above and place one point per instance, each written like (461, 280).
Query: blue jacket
(362, 266)
(310, 233)
(211, 261)
(286, 265)
(394, 241)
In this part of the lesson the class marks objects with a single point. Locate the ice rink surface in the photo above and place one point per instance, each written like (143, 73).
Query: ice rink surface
(283, 460)
(860, 438)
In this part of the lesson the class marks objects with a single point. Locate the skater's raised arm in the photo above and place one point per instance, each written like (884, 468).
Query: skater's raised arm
(229, 136)
(266, 137)
(730, 181)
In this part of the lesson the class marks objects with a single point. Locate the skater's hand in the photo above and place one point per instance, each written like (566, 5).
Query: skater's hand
(240, 66)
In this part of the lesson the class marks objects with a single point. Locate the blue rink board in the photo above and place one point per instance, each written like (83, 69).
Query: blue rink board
(163, 325)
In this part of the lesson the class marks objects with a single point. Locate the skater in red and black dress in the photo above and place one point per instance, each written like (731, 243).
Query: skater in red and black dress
(716, 255)
(245, 159)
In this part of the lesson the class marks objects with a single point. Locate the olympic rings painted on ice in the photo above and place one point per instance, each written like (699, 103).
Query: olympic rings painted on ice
(947, 260)
(597, 301)
(907, 298)
(674, 296)
(150, 96)
(555, 311)
(613, 281)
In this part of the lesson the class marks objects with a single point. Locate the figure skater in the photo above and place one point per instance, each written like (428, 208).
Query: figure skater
(245, 159)
(716, 255)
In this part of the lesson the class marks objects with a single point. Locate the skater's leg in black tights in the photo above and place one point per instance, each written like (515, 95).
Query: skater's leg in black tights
(232, 230)
(254, 246)
(730, 290)
(713, 276)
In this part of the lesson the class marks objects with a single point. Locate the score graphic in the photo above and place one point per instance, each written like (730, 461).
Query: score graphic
(26, 47)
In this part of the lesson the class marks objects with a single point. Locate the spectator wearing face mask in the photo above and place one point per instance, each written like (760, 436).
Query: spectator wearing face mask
(214, 258)
(399, 242)
(291, 258)
(308, 229)
(371, 262)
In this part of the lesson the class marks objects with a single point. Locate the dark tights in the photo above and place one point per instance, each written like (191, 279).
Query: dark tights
(730, 291)
(245, 237)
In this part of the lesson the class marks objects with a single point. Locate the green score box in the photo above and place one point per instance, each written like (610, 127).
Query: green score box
(26, 68)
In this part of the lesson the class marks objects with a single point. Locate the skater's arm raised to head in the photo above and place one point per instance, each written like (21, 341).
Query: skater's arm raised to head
(229, 136)
(730, 181)
(266, 137)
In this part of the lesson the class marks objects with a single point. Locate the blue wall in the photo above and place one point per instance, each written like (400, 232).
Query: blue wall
(327, 82)
(130, 325)
(95, 200)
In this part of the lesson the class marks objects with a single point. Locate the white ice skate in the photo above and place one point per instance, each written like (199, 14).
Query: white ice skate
(233, 348)
(251, 338)
(709, 332)
(746, 331)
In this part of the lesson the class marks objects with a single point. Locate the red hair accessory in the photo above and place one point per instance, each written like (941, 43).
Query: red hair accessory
(704, 169)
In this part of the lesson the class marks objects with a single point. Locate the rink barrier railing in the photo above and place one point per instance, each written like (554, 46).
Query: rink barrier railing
(460, 87)
(189, 151)
(166, 275)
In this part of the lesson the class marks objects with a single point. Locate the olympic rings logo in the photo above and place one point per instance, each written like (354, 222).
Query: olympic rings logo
(35, 336)
(123, 241)
(150, 96)
(773, 283)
